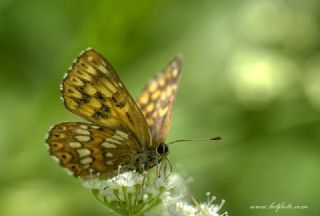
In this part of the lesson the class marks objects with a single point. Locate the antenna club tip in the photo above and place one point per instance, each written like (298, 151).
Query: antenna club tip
(216, 138)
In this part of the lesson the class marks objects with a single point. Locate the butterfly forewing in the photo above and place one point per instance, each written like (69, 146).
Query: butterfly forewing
(157, 98)
(93, 90)
(86, 149)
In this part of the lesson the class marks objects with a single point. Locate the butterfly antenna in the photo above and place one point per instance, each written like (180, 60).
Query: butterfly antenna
(188, 140)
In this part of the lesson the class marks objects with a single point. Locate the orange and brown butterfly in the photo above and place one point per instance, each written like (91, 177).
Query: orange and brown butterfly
(118, 131)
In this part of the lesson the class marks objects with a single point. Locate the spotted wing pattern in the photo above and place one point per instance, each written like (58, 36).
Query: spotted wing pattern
(117, 128)
(93, 90)
(157, 98)
(85, 149)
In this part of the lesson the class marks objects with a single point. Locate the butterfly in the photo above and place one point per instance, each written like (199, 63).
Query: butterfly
(119, 130)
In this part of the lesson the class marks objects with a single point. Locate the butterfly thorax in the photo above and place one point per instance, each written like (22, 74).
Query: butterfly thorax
(144, 160)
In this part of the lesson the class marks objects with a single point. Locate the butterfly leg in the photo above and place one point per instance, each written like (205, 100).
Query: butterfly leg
(119, 169)
(163, 167)
(169, 165)
(157, 169)
(143, 183)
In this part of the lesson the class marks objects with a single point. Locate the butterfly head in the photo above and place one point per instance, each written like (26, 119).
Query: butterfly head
(162, 150)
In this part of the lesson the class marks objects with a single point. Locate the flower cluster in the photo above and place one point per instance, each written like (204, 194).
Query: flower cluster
(132, 193)
(207, 208)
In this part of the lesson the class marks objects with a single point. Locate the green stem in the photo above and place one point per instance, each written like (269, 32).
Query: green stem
(105, 203)
(136, 197)
(126, 199)
(120, 203)
(150, 203)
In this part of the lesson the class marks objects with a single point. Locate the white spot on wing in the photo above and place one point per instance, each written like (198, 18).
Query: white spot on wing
(46, 136)
(86, 160)
(83, 51)
(46, 145)
(56, 159)
(68, 171)
(123, 134)
(113, 140)
(84, 127)
(87, 49)
(83, 152)
(109, 154)
(75, 144)
(175, 72)
(82, 131)
(102, 69)
(82, 138)
(108, 145)
(65, 75)
(118, 137)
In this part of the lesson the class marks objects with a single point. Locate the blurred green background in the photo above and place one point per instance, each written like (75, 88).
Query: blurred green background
(251, 74)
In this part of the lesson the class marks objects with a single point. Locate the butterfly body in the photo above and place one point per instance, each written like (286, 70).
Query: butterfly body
(143, 160)
(121, 131)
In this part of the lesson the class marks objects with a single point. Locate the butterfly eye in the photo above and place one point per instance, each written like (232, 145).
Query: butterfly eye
(162, 149)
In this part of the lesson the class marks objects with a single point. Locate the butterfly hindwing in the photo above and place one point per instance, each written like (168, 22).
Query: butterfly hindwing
(93, 90)
(157, 98)
(85, 149)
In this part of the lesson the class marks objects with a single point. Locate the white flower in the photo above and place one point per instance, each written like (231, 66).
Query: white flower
(135, 193)
(183, 209)
(207, 208)
(132, 193)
